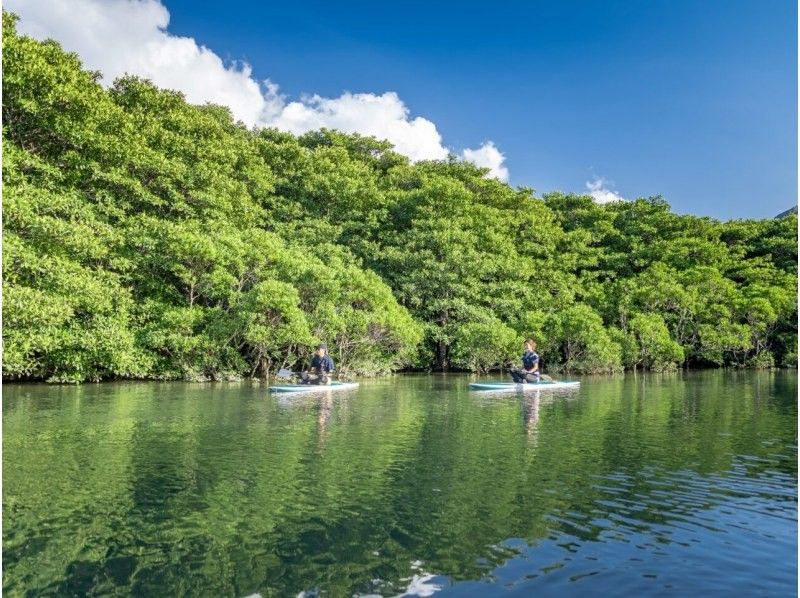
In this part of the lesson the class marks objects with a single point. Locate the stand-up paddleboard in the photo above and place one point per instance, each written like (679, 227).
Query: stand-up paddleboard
(313, 387)
(543, 385)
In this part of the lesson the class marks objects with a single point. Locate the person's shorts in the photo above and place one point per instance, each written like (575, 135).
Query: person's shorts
(521, 376)
(309, 378)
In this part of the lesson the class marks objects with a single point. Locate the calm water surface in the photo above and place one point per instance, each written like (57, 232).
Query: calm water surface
(660, 484)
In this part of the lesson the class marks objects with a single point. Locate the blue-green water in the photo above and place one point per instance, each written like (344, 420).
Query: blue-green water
(658, 484)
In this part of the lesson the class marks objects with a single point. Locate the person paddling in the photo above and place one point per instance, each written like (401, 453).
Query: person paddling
(321, 368)
(529, 372)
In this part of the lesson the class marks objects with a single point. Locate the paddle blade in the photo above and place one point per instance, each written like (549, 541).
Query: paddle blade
(284, 373)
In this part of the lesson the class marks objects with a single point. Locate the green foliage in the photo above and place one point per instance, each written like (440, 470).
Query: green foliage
(656, 349)
(578, 341)
(146, 237)
(483, 346)
(137, 244)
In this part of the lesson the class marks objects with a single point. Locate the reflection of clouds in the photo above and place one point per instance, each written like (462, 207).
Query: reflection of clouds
(421, 585)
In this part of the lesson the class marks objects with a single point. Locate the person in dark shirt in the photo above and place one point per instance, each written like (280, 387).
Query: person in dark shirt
(529, 372)
(321, 368)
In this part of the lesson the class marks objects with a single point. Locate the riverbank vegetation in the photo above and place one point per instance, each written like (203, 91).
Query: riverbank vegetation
(148, 238)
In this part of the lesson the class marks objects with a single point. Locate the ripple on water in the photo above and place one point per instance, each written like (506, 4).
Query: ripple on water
(678, 530)
(409, 486)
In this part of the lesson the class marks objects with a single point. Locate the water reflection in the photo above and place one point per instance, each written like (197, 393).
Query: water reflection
(676, 483)
(530, 411)
(325, 410)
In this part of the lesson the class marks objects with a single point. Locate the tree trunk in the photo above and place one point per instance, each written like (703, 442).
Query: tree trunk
(265, 366)
(442, 356)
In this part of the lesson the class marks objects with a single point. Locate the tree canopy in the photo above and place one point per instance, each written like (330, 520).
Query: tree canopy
(145, 237)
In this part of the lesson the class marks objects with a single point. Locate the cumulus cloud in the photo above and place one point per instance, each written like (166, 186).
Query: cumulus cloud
(117, 37)
(599, 189)
(488, 156)
(384, 116)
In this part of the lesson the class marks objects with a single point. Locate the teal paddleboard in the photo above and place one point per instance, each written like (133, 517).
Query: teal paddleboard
(523, 387)
(312, 387)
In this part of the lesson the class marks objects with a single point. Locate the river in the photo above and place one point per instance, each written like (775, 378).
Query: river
(632, 485)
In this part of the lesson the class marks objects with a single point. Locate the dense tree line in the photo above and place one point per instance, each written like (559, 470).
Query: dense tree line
(145, 237)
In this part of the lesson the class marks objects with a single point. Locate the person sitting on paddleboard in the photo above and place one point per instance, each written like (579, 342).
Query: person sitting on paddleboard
(529, 372)
(321, 368)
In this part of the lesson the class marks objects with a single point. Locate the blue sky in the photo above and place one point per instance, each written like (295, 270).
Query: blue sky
(693, 100)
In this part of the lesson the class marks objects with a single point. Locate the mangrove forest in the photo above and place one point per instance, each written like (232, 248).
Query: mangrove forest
(148, 238)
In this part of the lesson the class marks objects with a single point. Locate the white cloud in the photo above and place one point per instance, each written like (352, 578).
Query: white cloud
(119, 36)
(384, 116)
(488, 156)
(600, 191)
(130, 36)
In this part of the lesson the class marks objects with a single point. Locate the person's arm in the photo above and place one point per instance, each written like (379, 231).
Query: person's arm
(535, 365)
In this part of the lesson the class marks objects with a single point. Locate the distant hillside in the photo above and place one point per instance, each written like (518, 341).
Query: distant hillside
(789, 212)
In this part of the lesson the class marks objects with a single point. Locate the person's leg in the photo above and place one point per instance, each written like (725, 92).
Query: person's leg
(516, 375)
(304, 378)
(532, 377)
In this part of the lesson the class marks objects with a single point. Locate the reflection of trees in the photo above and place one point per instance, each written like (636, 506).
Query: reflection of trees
(218, 489)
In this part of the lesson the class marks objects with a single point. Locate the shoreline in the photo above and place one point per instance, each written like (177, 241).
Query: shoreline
(496, 373)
